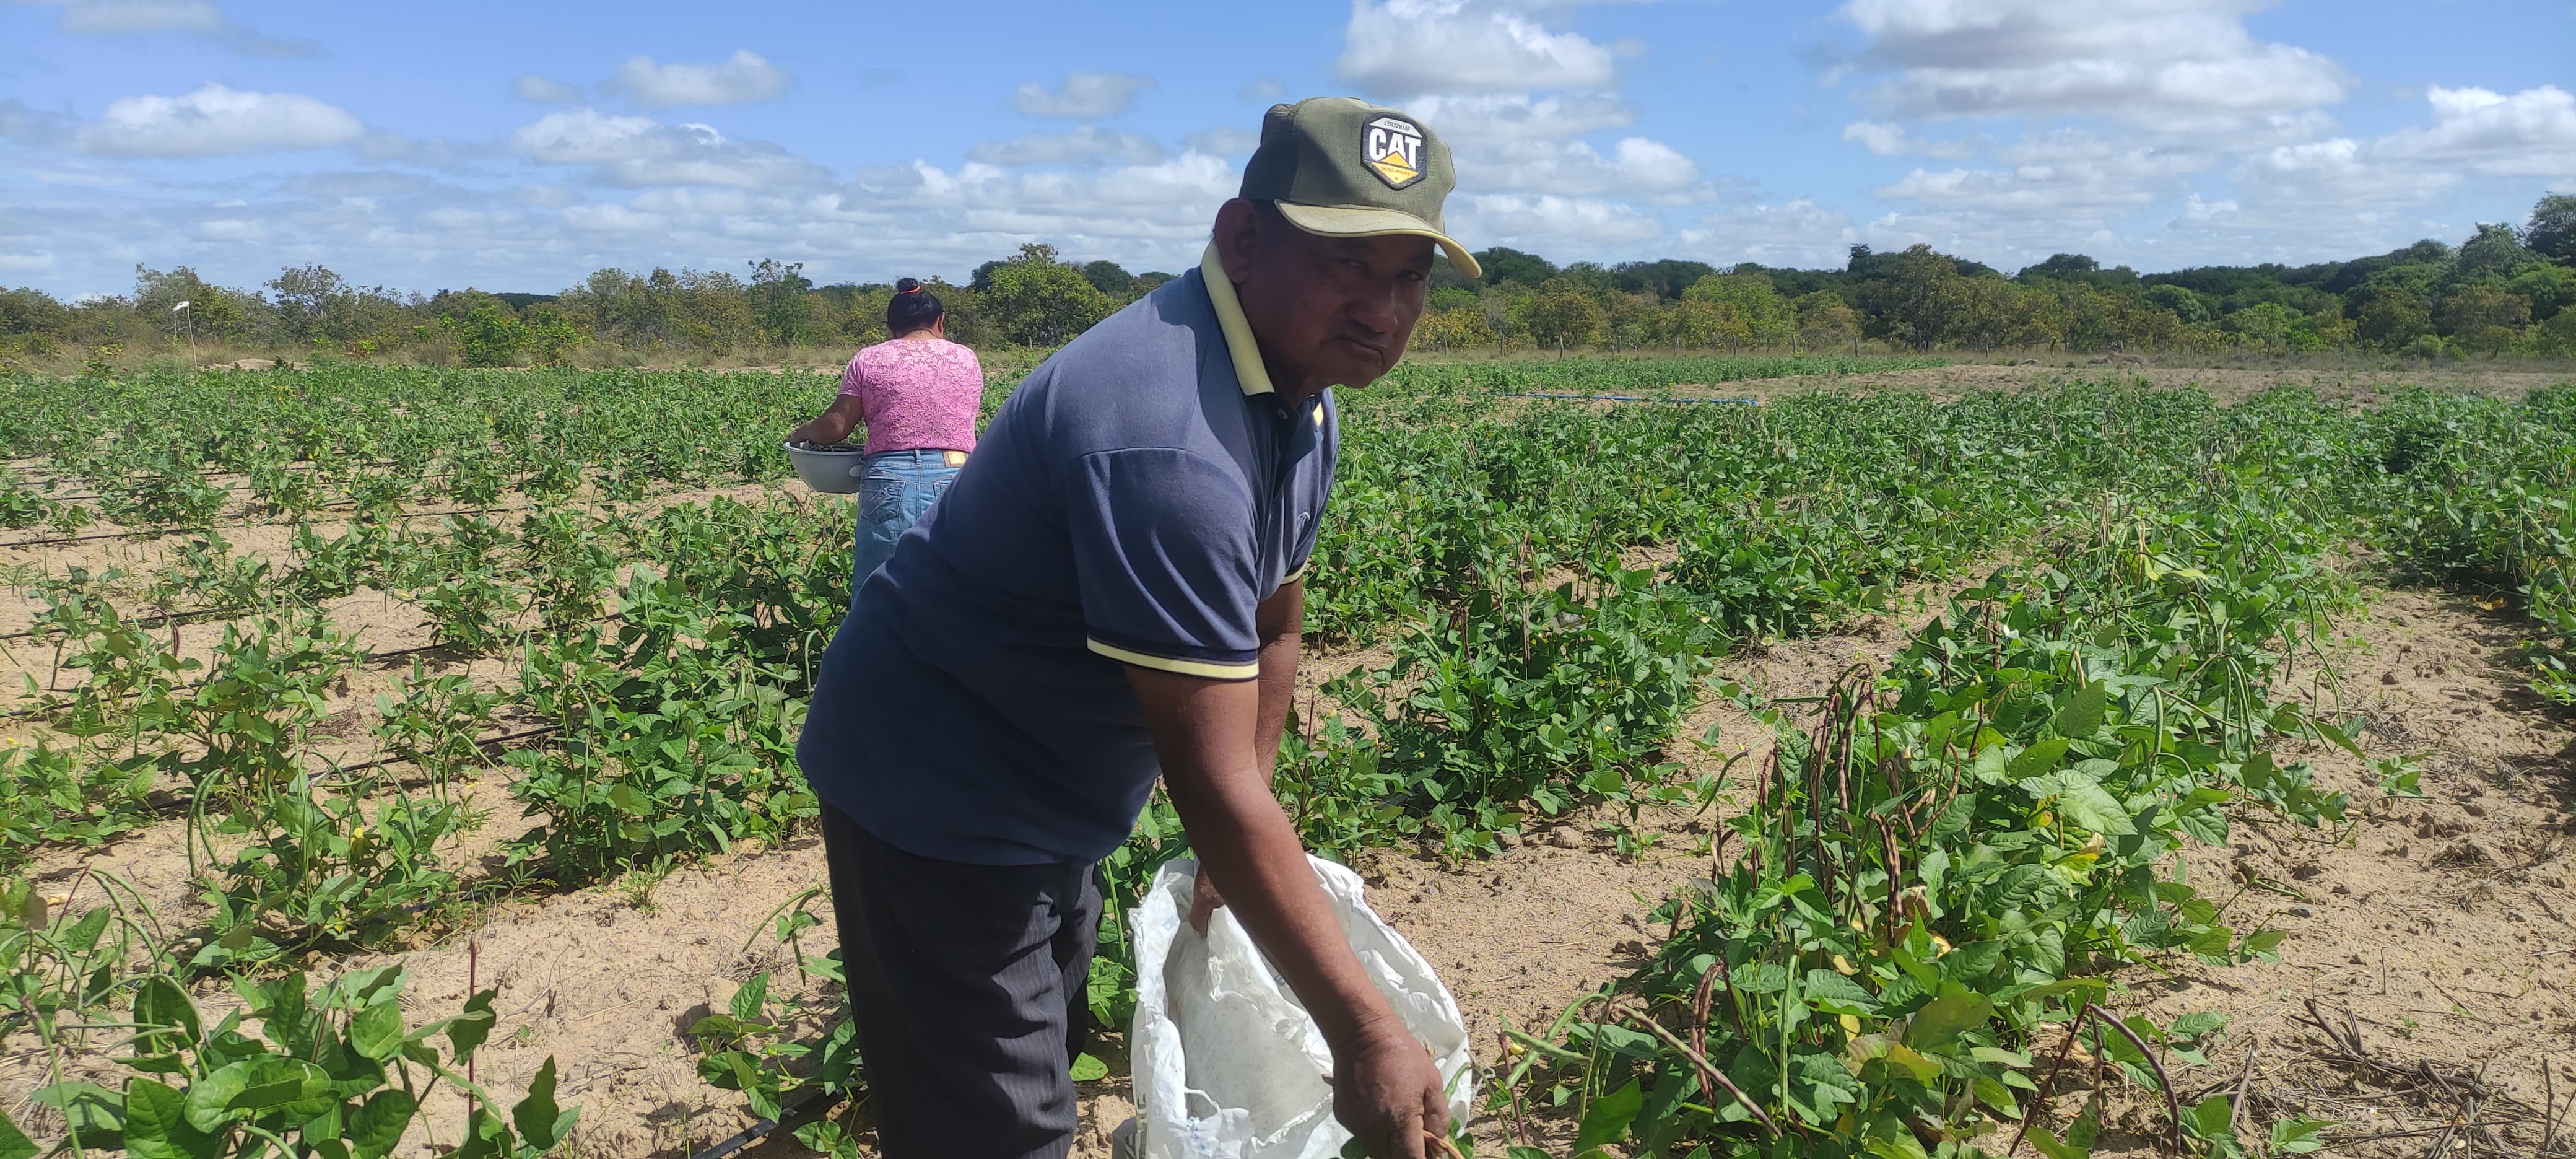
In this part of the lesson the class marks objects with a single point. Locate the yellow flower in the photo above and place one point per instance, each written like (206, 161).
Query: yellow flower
(1940, 945)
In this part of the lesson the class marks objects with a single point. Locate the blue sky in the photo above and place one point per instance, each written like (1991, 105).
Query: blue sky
(520, 146)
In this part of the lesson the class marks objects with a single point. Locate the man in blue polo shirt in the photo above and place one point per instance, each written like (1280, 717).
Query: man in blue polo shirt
(1110, 592)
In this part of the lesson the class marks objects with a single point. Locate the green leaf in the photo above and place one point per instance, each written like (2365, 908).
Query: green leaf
(2209, 1120)
(541, 1123)
(1972, 961)
(377, 1126)
(467, 1031)
(253, 1087)
(14, 1143)
(160, 1002)
(1888, 1138)
(2082, 800)
(1607, 1119)
(1087, 1069)
(1953, 820)
(157, 1126)
(1941, 1020)
(1835, 994)
(2082, 714)
(751, 998)
(2050, 1147)
(377, 1031)
(2038, 758)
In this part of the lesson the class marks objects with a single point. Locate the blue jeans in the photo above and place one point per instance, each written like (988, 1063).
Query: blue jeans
(895, 488)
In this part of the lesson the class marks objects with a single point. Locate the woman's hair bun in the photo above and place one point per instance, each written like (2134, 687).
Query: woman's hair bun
(906, 285)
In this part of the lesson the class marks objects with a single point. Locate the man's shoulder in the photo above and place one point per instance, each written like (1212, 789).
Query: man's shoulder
(1139, 376)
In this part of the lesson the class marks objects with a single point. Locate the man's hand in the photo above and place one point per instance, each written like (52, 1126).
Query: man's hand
(1386, 1090)
(1204, 903)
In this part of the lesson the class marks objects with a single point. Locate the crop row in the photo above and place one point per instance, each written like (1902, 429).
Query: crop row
(1557, 580)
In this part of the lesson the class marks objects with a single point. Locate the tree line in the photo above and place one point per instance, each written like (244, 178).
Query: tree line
(2505, 290)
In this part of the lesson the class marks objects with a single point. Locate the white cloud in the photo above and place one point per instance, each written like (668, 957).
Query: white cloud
(216, 120)
(1224, 141)
(1636, 167)
(1496, 118)
(2169, 65)
(1088, 145)
(1590, 227)
(739, 79)
(1261, 88)
(542, 91)
(1083, 95)
(1796, 232)
(2473, 133)
(1888, 140)
(1405, 48)
(639, 152)
(2529, 134)
(199, 19)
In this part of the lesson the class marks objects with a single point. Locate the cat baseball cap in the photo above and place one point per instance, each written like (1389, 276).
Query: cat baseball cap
(1342, 167)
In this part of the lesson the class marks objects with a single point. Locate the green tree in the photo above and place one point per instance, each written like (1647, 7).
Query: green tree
(1913, 303)
(486, 332)
(2482, 317)
(779, 306)
(1503, 264)
(2551, 232)
(2494, 255)
(2392, 317)
(551, 336)
(1564, 315)
(1109, 278)
(1767, 319)
(30, 311)
(2550, 287)
(2189, 308)
(213, 312)
(1036, 300)
(1826, 322)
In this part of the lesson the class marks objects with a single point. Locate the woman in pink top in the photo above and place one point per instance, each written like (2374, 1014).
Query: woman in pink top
(918, 394)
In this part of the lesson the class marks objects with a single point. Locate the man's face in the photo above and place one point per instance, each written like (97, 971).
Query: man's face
(1330, 311)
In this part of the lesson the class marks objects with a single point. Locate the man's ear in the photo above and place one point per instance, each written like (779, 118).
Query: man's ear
(1238, 238)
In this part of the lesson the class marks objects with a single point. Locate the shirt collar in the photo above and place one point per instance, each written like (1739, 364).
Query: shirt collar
(1239, 342)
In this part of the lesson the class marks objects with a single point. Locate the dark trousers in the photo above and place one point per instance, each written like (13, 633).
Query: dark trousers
(970, 987)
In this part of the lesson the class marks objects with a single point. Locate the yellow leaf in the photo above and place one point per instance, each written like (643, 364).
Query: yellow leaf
(1851, 1025)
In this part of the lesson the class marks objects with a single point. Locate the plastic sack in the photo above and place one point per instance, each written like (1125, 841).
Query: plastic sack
(1226, 1061)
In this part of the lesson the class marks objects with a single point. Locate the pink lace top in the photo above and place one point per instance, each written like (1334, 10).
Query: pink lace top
(917, 394)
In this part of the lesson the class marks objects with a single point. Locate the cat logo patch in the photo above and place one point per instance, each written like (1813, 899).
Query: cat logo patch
(1392, 147)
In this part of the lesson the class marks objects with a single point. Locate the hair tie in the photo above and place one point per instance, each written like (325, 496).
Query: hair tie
(914, 290)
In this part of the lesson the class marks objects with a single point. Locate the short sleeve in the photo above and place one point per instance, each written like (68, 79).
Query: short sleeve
(1163, 551)
(853, 379)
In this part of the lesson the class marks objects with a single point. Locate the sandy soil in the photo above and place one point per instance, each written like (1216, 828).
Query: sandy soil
(2429, 933)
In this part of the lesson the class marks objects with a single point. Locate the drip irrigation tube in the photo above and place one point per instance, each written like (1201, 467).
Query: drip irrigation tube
(813, 1104)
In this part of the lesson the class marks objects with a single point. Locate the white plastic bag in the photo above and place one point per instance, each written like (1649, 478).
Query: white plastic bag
(1227, 1064)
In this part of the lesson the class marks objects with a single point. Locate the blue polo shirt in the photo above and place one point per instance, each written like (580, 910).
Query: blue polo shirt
(1143, 491)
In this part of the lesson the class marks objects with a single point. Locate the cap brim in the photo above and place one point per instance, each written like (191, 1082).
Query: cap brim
(1372, 221)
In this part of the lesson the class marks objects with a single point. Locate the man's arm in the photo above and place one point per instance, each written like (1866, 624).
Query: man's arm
(1279, 622)
(1218, 741)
